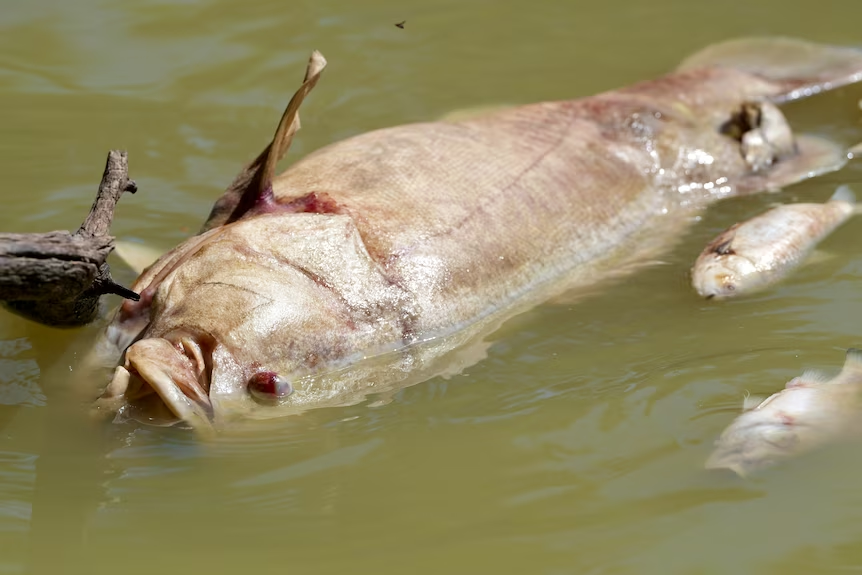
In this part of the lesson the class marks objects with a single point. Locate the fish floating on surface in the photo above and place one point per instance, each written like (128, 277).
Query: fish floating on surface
(378, 261)
(812, 411)
(757, 253)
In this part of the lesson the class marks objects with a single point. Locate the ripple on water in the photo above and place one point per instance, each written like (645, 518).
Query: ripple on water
(19, 377)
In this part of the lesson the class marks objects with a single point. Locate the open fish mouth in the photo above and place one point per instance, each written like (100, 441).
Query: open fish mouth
(164, 384)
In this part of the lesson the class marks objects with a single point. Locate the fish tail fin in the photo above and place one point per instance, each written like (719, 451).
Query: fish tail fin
(844, 194)
(852, 362)
(798, 68)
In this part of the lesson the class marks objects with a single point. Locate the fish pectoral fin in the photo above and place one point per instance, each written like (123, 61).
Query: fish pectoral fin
(137, 257)
(798, 68)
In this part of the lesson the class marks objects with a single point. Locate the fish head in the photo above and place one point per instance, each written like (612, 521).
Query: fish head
(248, 318)
(164, 380)
(804, 415)
(721, 276)
(755, 440)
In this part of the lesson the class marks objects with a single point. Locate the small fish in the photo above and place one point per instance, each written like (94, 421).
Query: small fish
(401, 24)
(811, 411)
(759, 252)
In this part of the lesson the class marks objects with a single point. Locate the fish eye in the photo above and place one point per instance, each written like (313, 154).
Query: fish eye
(269, 387)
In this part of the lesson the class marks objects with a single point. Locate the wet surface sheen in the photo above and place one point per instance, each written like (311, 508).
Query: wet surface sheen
(576, 446)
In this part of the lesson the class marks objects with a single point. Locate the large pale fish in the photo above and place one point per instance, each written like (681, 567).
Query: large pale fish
(810, 412)
(759, 252)
(376, 262)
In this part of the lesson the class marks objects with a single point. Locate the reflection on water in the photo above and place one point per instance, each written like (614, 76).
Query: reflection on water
(575, 446)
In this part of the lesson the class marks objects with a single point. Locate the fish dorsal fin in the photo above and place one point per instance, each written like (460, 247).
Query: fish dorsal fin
(289, 123)
(815, 376)
(254, 183)
(799, 68)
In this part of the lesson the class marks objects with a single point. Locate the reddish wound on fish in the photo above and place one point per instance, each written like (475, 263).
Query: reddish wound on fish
(313, 203)
(786, 419)
(131, 309)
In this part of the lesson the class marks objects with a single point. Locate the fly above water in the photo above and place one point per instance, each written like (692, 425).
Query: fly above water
(384, 260)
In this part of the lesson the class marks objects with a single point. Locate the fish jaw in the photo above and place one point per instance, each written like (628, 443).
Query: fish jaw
(723, 276)
(164, 383)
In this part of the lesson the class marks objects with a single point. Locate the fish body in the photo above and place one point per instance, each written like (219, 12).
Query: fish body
(812, 410)
(369, 263)
(752, 255)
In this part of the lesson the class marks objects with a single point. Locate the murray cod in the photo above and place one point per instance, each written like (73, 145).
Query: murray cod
(381, 260)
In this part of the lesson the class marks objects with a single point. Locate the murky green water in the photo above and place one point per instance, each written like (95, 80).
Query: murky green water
(575, 447)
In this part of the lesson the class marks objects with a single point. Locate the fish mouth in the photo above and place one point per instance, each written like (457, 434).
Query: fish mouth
(164, 384)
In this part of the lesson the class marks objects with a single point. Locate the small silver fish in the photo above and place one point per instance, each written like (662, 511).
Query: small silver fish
(811, 411)
(759, 252)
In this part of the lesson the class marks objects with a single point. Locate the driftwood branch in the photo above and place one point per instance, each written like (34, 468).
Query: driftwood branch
(56, 278)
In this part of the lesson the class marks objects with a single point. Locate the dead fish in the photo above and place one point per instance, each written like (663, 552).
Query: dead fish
(368, 263)
(811, 411)
(757, 253)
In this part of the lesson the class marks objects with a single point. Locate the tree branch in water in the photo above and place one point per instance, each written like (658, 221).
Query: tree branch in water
(57, 278)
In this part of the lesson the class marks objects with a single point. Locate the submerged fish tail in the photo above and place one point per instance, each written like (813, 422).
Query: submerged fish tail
(843, 194)
(799, 68)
